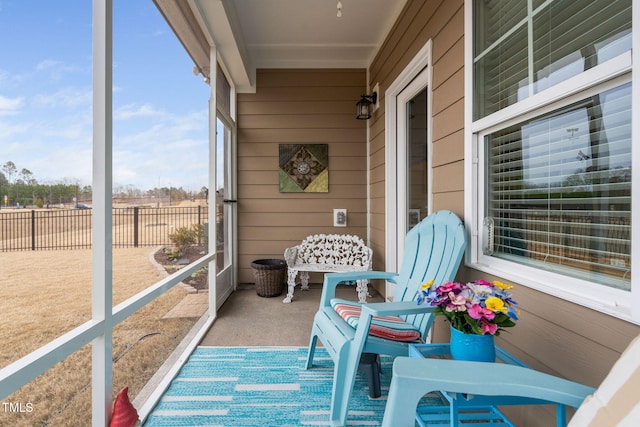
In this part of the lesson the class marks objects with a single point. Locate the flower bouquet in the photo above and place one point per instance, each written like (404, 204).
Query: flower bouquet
(479, 307)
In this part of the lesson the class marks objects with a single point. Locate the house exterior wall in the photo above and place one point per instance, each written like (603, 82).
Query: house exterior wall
(553, 335)
(420, 21)
(298, 107)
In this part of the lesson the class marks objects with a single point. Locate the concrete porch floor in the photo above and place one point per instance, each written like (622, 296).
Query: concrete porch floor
(247, 319)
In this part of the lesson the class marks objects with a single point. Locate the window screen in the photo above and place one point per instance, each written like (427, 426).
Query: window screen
(223, 91)
(558, 190)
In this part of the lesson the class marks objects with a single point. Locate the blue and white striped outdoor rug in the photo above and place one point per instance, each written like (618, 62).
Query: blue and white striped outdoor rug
(261, 386)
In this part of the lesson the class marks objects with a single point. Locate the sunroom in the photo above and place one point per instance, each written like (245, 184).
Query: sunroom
(518, 116)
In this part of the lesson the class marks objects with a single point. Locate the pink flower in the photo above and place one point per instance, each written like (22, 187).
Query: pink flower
(448, 287)
(456, 303)
(488, 328)
(477, 312)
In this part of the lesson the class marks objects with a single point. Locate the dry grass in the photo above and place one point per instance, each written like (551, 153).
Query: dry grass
(47, 293)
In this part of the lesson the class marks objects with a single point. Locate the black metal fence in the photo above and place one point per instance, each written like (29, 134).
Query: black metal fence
(30, 230)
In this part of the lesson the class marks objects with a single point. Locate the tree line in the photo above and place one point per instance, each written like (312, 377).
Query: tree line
(20, 188)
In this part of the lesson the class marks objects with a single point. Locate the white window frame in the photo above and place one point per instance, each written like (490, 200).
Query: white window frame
(608, 300)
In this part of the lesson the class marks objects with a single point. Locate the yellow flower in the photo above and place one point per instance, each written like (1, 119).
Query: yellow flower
(427, 285)
(495, 304)
(501, 285)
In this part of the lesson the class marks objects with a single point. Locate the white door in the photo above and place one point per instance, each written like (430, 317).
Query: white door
(412, 163)
(413, 160)
(225, 209)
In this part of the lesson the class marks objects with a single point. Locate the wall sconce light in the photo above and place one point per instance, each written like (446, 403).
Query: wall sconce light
(365, 106)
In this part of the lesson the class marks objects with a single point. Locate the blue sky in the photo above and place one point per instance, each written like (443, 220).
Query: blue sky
(159, 106)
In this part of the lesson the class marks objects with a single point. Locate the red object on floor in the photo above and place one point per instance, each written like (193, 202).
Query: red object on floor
(124, 413)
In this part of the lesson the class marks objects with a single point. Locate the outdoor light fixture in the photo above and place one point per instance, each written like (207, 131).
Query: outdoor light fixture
(197, 71)
(365, 106)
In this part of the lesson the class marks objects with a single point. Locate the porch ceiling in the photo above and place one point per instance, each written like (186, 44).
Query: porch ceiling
(251, 34)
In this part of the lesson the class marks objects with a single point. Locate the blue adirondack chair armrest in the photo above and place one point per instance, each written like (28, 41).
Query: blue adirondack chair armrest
(332, 280)
(413, 378)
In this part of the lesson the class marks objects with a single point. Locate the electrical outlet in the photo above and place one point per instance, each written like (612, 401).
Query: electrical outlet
(339, 217)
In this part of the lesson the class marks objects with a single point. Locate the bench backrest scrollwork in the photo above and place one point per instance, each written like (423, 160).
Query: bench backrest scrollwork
(331, 249)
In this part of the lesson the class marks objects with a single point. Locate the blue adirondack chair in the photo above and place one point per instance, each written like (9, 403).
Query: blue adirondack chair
(615, 402)
(413, 378)
(433, 250)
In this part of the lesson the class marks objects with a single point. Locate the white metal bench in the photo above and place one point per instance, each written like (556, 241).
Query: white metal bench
(327, 253)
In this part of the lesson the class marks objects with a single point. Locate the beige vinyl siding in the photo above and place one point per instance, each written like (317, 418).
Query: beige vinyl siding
(298, 107)
(420, 21)
(553, 335)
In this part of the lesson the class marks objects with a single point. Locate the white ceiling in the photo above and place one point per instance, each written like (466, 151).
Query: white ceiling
(251, 34)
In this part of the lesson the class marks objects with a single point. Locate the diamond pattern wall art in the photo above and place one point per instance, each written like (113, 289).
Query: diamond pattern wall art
(304, 168)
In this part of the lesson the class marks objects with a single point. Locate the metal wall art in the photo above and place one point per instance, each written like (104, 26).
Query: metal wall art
(304, 168)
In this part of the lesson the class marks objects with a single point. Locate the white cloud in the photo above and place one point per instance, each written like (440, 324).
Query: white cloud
(170, 150)
(74, 165)
(70, 97)
(56, 69)
(154, 148)
(9, 129)
(131, 111)
(47, 63)
(10, 106)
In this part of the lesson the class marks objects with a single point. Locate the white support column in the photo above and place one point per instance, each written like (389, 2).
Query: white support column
(213, 126)
(101, 299)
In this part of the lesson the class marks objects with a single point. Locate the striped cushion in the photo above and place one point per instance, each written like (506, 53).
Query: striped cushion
(615, 402)
(388, 327)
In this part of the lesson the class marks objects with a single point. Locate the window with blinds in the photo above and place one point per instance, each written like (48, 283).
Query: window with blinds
(522, 47)
(558, 190)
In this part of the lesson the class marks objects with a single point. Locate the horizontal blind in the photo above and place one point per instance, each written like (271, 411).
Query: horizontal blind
(566, 38)
(559, 188)
(501, 76)
(571, 37)
(493, 19)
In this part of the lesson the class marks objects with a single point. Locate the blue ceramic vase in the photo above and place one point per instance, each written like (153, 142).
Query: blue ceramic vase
(472, 347)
